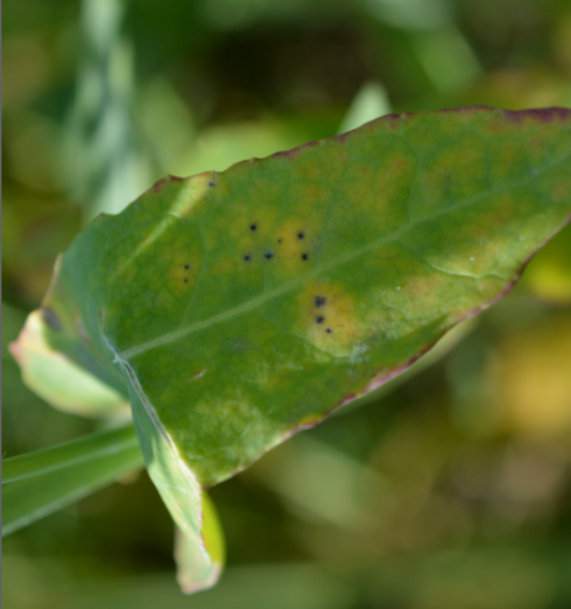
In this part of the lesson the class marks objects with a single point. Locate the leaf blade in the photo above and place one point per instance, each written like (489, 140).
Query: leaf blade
(429, 219)
(39, 483)
(241, 307)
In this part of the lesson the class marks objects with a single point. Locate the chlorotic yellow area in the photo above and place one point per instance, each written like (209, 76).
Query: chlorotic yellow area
(333, 327)
(386, 191)
(191, 193)
(290, 247)
(212, 532)
(182, 272)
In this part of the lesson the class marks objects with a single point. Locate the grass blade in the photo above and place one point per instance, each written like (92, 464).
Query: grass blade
(39, 483)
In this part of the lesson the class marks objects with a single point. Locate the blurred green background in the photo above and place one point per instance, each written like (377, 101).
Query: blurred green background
(453, 490)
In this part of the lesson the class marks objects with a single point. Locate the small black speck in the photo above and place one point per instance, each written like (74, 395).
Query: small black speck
(319, 319)
(253, 227)
(320, 301)
(211, 183)
(247, 257)
(305, 256)
(301, 235)
(280, 240)
(187, 266)
(329, 330)
(268, 255)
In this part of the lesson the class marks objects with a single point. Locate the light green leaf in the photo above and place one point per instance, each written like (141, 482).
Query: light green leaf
(66, 385)
(39, 483)
(241, 307)
(192, 572)
(199, 546)
(369, 103)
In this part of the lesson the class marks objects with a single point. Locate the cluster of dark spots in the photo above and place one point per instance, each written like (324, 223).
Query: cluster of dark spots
(319, 302)
(270, 254)
(187, 266)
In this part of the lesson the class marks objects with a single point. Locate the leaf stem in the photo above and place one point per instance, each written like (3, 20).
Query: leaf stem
(38, 483)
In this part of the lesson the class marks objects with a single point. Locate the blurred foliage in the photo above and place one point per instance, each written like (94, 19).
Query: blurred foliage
(453, 490)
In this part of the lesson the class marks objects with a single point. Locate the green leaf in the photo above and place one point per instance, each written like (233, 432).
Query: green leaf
(193, 573)
(199, 546)
(39, 483)
(241, 307)
(65, 385)
(369, 103)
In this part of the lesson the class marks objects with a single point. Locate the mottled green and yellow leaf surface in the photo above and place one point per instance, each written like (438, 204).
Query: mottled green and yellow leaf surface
(238, 308)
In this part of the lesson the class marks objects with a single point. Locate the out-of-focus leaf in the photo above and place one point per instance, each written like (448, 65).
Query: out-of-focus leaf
(37, 484)
(530, 383)
(289, 585)
(549, 275)
(447, 58)
(105, 160)
(521, 88)
(241, 307)
(34, 230)
(369, 103)
(219, 147)
(410, 14)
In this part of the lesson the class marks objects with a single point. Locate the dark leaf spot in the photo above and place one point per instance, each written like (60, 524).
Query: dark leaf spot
(305, 256)
(320, 301)
(329, 330)
(253, 227)
(268, 255)
(247, 257)
(319, 319)
(51, 319)
(301, 235)
(187, 266)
